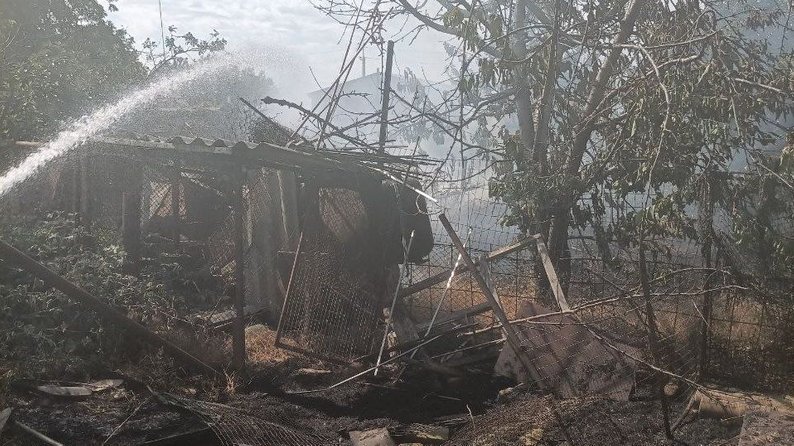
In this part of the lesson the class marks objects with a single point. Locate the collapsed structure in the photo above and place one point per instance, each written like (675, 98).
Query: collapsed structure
(349, 261)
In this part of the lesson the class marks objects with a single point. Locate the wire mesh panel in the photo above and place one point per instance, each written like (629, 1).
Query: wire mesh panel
(235, 427)
(336, 289)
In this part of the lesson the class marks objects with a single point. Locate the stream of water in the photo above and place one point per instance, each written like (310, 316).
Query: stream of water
(102, 119)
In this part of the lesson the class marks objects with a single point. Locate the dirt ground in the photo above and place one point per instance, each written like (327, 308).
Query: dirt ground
(281, 399)
(137, 412)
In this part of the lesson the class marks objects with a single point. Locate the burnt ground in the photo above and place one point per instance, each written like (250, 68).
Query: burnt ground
(137, 412)
(47, 339)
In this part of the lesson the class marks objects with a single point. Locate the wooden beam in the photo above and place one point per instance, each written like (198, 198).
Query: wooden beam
(551, 273)
(444, 275)
(507, 329)
(263, 154)
(288, 199)
(134, 330)
(37, 434)
(131, 230)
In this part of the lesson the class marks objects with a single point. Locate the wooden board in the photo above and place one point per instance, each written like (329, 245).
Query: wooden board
(5, 414)
(570, 359)
(551, 274)
(444, 275)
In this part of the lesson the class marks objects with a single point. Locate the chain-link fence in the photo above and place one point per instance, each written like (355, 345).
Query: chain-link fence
(703, 315)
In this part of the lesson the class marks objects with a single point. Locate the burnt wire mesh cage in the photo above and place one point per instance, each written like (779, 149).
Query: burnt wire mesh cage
(340, 276)
(195, 207)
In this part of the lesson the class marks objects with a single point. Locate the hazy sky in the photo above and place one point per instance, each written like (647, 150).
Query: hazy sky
(292, 34)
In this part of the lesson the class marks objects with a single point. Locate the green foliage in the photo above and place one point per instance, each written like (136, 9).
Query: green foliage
(179, 48)
(59, 58)
(714, 99)
(761, 206)
(53, 335)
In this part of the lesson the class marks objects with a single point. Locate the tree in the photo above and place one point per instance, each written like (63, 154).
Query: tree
(619, 104)
(179, 48)
(58, 58)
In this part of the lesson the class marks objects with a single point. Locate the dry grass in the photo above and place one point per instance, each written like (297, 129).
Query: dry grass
(465, 293)
(260, 346)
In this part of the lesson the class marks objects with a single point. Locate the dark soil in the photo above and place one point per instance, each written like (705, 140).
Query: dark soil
(134, 415)
(48, 337)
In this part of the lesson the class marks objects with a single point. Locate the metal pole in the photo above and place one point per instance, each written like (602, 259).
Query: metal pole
(406, 251)
(446, 291)
(384, 108)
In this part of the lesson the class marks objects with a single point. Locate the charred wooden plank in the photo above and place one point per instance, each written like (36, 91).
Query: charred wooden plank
(509, 331)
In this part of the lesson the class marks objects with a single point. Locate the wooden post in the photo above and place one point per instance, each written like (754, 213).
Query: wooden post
(288, 194)
(384, 108)
(706, 217)
(238, 328)
(460, 269)
(507, 328)
(485, 270)
(653, 339)
(131, 219)
(551, 274)
(267, 237)
(133, 329)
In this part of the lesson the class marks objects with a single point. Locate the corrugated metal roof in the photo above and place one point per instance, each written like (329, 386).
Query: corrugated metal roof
(265, 153)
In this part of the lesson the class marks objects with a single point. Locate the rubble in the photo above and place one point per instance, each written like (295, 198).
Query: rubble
(375, 437)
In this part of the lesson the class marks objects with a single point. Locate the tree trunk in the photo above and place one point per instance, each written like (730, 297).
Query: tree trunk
(526, 124)
(561, 214)
(542, 131)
